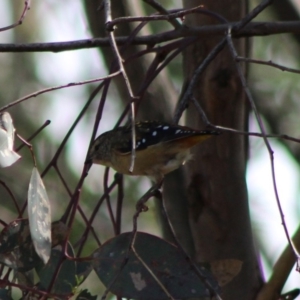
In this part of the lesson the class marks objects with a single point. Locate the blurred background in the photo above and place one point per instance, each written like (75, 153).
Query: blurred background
(276, 94)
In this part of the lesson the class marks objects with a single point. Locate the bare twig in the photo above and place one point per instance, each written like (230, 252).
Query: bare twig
(54, 88)
(268, 63)
(251, 15)
(261, 126)
(12, 197)
(20, 21)
(156, 279)
(126, 79)
(195, 268)
(189, 91)
(257, 134)
(34, 135)
(169, 16)
(95, 211)
(140, 207)
(107, 198)
(227, 129)
(201, 112)
(163, 11)
(29, 147)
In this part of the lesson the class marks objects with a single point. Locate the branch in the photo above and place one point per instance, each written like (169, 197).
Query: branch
(252, 29)
(267, 144)
(21, 19)
(54, 88)
(268, 63)
(281, 271)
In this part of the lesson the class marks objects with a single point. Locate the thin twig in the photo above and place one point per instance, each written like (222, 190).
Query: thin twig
(151, 75)
(54, 88)
(270, 151)
(278, 136)
(169, 16)
(20, 21)
(184, 253)
(140, 207)
(86, 221)
(66, 138)
(267, 63)
(251, 15)
(126, 79)
(201, 112)
(29, 147)
(107, 198)
(12, 197)
(222, 128)
(156, 279)
(96, 209)
(34, 135)
(176, 24)
(120, 199)
(189, 91)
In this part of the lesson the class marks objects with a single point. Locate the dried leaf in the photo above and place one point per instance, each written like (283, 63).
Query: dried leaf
(59, 232)
(16, 248)
(39, 215)
(7, 134)
(65, 276)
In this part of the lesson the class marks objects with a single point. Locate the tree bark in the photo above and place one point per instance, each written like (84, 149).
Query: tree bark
(217, 193)
(159, 100)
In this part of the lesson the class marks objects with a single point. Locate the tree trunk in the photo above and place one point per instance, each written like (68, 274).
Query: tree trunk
(217, 194)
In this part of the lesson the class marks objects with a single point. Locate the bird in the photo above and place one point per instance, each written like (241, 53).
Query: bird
(160, 148)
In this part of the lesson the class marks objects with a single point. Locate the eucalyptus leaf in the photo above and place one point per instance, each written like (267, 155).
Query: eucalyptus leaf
(160, 271)
(39, 215)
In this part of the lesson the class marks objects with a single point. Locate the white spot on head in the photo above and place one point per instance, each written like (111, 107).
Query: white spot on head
(154, 133)
(165, 127)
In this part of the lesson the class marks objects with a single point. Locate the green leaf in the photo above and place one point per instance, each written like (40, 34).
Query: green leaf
(39, 215)
(5, 294)
(70, 275)
(65, 280)
(163, 259)
(25, 278)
